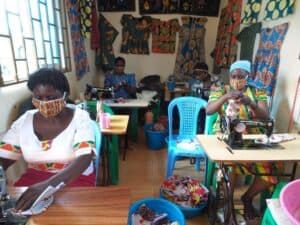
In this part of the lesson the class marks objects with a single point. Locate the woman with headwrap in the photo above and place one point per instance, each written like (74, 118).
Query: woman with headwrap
(252, 104)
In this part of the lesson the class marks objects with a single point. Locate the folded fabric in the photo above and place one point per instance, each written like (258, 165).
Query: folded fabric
(189, 144)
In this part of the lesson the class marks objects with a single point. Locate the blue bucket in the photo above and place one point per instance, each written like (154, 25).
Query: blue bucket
(160, 206)
(155, 139)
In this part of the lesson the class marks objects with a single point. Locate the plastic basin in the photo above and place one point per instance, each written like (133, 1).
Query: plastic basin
(155, 139)
(290, 201)
(160, 206)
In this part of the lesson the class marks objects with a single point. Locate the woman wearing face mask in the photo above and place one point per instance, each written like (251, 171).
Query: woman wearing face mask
(252, 105)
(55, 139)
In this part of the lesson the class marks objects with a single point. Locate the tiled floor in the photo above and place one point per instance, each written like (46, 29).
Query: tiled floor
(144, 170)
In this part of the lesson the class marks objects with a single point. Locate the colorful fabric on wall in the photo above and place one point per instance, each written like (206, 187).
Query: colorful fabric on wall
(247, 40)
(79, 52)
(225, 51)
(164, 35)
(191, 48)
(105, 54)
(278, 9)
(85, 17)
(95, 32)
(251, 12)
(268, 57)
(135, 34)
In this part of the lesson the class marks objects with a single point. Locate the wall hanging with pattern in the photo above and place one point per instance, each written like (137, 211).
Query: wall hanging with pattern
(116, 5)
(191, 7)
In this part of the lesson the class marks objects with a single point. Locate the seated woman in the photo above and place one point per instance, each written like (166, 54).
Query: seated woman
(55, 140)
(124, 84)
(252, 105)
(201, 88)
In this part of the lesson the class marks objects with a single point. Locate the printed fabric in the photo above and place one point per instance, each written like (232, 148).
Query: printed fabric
(164, 35)
(278, 9)
(135, 34)
(95, 32)
(49, 155)
(247, 39)
(268, 57)
(225, 52)
(79, 51)
(105, 56)
(191, 49)
(86, 17)
(251, 12)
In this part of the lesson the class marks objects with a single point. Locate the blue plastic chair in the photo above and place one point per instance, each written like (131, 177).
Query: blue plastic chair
(98, 137)
(188, 109)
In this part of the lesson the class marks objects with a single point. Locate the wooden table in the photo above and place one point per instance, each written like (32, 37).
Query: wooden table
(217, 151)
(109, 163)
(84, 206)
(133, 105)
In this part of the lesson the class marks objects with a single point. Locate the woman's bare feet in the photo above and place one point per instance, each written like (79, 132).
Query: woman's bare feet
(249, 211)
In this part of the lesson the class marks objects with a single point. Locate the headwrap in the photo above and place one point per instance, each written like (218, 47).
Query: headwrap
(241, 64)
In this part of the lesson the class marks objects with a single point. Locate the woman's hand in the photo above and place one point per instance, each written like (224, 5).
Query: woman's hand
(235, 95)
(30, 195)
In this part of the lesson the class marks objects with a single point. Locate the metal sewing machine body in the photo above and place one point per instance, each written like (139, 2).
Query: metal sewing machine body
(6, 203)
(234, 128)
(93, 92)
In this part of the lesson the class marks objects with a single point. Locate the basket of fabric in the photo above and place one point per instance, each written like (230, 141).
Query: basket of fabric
(154, 211)
(187, 193)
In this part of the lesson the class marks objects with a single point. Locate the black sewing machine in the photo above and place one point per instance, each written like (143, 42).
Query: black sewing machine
(6, 203)
(234, 129)
(92, 93)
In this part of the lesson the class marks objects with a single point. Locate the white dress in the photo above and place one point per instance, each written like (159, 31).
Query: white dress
(75, 140)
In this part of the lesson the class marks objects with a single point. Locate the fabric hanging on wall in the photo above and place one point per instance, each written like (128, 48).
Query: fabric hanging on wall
(135, 34)
(278, 9)
(164, 35)
(79, 52)
(225, 51)
(268, 57)
(247, 39)
(85, 17)
(95, 32)
(105, 54)
(191, 49)
(251, 12)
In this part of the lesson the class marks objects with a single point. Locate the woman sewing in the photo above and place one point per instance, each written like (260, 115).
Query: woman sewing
(252, 104)
(56, 140)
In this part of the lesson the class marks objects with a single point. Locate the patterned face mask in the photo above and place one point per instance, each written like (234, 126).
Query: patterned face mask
(50, 108)
(238, 84)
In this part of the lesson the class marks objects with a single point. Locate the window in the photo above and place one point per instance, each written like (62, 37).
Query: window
(33, 34)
